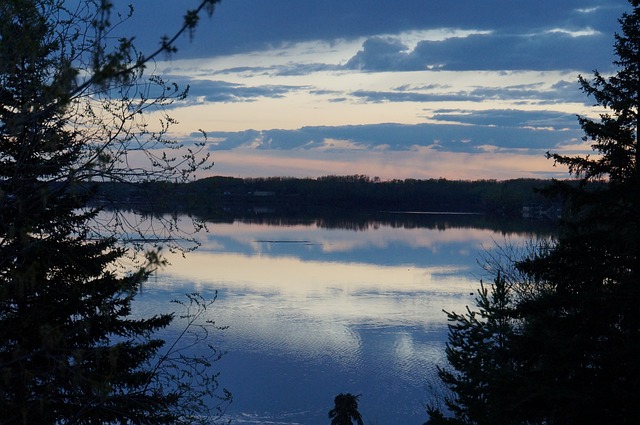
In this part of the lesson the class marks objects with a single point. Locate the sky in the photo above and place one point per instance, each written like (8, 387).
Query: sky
(404, 89)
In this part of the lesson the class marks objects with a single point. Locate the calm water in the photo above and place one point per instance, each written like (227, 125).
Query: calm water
(317, 308)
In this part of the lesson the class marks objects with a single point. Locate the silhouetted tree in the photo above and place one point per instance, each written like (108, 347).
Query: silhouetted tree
(582, 340)
(70, 351)
(481, 369)
(576, 343)
(345, 411)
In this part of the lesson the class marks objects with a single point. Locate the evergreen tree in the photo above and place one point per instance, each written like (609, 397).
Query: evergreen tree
(481, 368)
(573, 348)
(581, 340)
(70, 352)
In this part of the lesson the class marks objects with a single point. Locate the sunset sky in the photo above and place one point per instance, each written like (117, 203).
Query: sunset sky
(402, 89)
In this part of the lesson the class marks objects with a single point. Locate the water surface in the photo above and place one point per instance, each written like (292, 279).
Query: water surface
(316, 308)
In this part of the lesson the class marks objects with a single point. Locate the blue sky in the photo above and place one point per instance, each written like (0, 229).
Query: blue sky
(403, 89)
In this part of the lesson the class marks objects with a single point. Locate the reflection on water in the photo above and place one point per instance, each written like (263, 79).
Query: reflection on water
(314, 310)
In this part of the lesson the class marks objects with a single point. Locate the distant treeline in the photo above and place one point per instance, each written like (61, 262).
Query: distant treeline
(285, 195)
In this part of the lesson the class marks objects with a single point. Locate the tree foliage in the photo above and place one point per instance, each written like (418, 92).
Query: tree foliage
(355, 193)
(71, 104)
(345, 411)
(584, 336)
(480, 360)
(576, 340)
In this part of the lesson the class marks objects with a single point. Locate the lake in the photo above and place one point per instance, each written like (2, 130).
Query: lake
(317, 307)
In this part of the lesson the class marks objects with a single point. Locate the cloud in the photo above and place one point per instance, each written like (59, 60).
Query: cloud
(560, 92)
(462, 131)
(543, 120)
(542, 51)
(246, 25)
(339, 145)
(409, 86)
(407, 96)
(534, 93)
(222, 91)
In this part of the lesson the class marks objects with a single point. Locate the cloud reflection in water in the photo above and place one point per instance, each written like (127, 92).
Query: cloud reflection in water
(314, 311)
